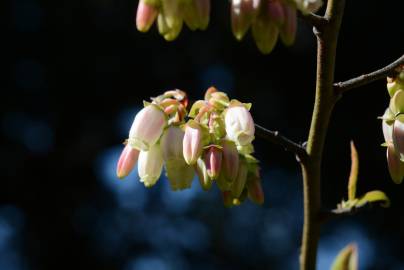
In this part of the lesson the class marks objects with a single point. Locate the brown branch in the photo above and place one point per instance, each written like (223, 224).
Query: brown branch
(313, 19)
(342, 87)
(278, 139)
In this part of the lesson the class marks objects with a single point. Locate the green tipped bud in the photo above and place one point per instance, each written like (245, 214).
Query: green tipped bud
(240, 181)
(169, 33)
(196, 14)
(230, 160)
(265, 33)
(254, 187)
(243, 12)
(397, 102)
(288, 30)
(179, 173)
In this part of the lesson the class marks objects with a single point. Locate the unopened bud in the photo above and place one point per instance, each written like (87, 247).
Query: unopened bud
(265, 33)
(204, 179)
(127, 161)
(169, 33)
(395, 165)
(288, 30)
(243, 12)
(239, 125)
(398, 135)
(275, 12)
(179, 173)
(213, 161)
(150, 165)
(397, 102)
(171, 143)
(240, 181)
(145, 16)
(192, 143)
(255, 192)
(230, 160)
(196, 14)
(147, 127)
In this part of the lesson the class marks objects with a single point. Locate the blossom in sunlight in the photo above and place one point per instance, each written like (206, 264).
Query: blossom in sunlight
(212, 140)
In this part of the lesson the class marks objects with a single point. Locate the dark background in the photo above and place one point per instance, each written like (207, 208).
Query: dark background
(76, 74)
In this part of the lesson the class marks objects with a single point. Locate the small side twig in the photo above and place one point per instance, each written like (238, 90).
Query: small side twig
(313, 19)
(276, 138)
(342, 87)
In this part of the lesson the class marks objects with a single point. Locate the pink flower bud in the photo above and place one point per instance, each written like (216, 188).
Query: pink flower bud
(230, 160)
(145, 16)
(275, 12)
(192, 143)
(213, 161)
(127, 161)
(147, 127)
(239, 125)
(243, 13)
(398, 135)
(396, 166)
(150, 165)
(288, 31)
(240, 181)
(204, 179)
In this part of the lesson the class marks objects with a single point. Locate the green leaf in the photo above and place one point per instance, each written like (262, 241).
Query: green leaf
(374, 196)
(353, 176)
(347, 259)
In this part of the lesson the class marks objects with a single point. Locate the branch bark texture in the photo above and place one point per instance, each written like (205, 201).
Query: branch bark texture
(364, 79)
(325, 99)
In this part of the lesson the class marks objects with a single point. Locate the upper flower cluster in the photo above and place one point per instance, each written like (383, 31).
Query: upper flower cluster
(215, 142)
(171, 14)
(393, 126)
(268, 19)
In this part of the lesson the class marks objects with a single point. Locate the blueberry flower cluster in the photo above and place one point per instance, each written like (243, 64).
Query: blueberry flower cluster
(268, 19)
(171, 15)
(213, 140)
(393, 127)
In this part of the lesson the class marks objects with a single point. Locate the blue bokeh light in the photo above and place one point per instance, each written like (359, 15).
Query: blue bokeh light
(219, 76)
(129, 192)
(342, 235)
